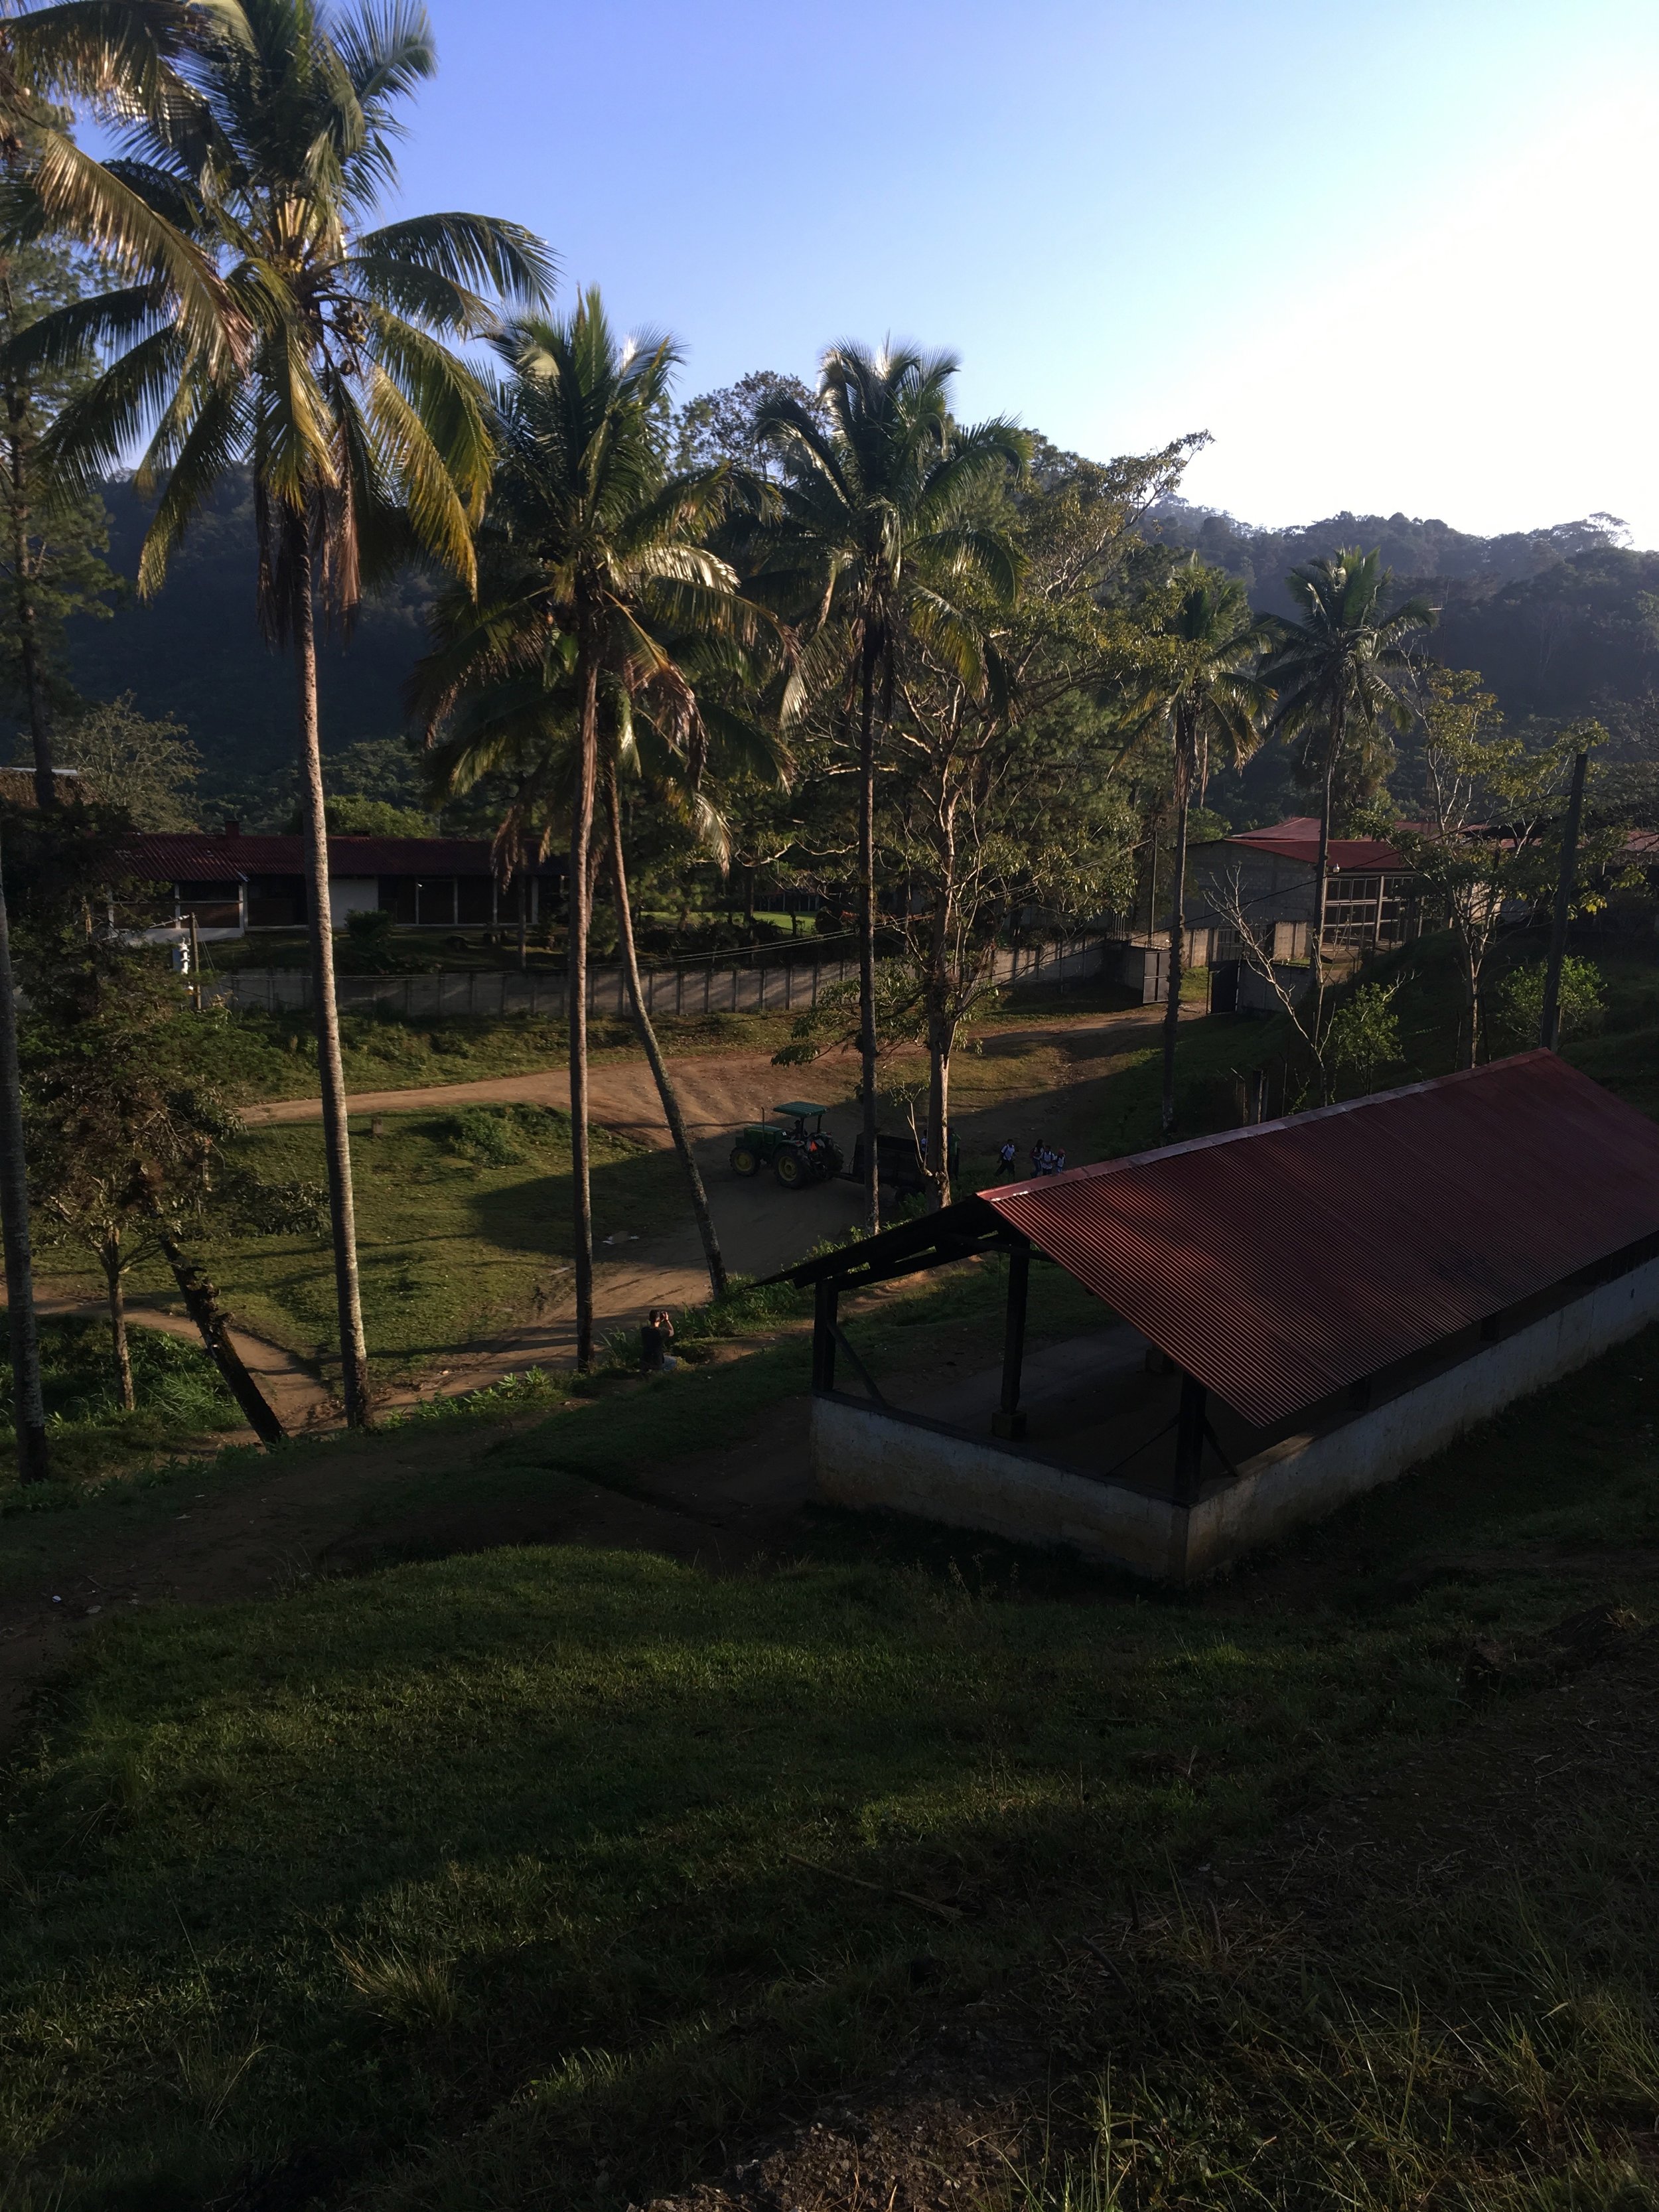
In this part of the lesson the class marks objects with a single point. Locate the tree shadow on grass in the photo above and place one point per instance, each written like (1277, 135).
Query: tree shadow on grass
(636, 1853)
(641, 1192)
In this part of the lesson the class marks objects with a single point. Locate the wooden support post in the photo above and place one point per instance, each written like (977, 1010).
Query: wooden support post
(1008, 1420)
(826, 1299)
(1190, 1424)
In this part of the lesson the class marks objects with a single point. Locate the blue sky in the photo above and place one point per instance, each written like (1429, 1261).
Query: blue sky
(1400, 257)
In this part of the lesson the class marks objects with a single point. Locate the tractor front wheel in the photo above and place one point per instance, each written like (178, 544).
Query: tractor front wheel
(744, 1160)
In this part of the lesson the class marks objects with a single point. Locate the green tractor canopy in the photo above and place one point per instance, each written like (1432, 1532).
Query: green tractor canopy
(797, 1151)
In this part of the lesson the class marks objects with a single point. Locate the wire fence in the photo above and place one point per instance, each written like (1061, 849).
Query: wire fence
(779, 986)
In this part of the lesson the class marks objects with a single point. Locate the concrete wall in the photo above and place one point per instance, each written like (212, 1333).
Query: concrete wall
(1307, 1477)
(875, 1459)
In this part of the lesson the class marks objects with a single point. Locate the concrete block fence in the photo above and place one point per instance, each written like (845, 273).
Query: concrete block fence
(781, 985)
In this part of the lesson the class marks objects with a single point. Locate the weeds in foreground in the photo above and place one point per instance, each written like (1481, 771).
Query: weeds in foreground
(1465, 2052)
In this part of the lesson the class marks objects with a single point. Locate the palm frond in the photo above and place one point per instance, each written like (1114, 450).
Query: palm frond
(215, 442)
(473, 251)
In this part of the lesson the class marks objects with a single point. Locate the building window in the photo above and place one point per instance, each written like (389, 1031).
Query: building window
(1361, 911)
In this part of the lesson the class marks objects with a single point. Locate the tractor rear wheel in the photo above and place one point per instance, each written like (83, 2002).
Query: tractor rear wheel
(792, 1168)
(745, 1161)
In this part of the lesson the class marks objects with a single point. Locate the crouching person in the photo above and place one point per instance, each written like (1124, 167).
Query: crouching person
(655, 1337)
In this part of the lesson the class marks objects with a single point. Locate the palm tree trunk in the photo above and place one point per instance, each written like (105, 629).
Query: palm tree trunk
(28, 1403)
(867, 937)
(29, 633)
(665, 1091)
(115, 1284)
(941, 1023)
(201, 1299)
(336, 1143)
(578, 895)
(1184, 792)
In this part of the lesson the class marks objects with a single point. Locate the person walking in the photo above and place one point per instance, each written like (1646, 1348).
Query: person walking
(1006, 1158)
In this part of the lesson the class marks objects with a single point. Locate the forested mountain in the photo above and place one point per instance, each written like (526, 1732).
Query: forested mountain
(194, 654)
(1560, 622)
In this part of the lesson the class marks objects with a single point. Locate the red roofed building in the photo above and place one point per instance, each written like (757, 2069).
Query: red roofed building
(1265, 879)
(1291, 1314)
(232, 883)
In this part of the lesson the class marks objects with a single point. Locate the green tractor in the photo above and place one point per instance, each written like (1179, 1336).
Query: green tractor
(797, 1154)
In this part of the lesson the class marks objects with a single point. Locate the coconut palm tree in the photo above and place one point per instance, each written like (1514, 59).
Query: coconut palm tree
(527, 733)
(367, 436)
(121, 57)
(1203, 690)
(597, 595)
(864, 540)
(1337, 672)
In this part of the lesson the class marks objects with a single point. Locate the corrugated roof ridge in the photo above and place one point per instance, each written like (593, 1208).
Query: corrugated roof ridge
(1092, 1169)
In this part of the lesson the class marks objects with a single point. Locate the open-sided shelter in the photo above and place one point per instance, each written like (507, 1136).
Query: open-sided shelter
(1301, 1310)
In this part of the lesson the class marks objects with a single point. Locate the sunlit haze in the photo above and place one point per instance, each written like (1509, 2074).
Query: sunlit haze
(1393, 259)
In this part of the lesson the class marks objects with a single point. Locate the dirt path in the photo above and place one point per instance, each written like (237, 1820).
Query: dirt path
(716, 1095)
(762, 1229)
(299, 1401)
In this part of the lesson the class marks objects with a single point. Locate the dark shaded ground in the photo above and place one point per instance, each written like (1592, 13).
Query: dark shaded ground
(994, 2106)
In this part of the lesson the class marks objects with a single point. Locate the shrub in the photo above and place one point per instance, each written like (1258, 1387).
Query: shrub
(486, 1134)
(1519, 1002)
(171, 1376)
(1364, 1033)
(368, 941)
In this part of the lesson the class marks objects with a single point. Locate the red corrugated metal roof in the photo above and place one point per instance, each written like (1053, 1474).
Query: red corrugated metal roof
(197, 857)
(1297, 839)
(1280, 1264)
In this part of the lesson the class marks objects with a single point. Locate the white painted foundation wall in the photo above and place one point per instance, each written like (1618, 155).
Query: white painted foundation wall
(873, 1458)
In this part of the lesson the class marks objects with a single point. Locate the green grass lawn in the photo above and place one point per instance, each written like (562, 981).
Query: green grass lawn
(260, 1055)
(533, 1878)
(462, 1220)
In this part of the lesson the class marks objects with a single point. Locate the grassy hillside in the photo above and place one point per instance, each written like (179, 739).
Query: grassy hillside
(550, 1878)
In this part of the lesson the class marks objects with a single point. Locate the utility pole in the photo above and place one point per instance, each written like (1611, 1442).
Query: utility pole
(1549, 1032)
(28, 1405)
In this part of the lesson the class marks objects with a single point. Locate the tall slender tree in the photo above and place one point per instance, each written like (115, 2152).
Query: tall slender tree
(118, 54)
(594, 578)
(365, 434)
(55, 534)
(1202, 689)
(1336, 674)
(863, 540)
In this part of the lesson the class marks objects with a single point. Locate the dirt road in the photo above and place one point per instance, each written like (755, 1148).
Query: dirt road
(298, 1399)
(1037, 1079)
